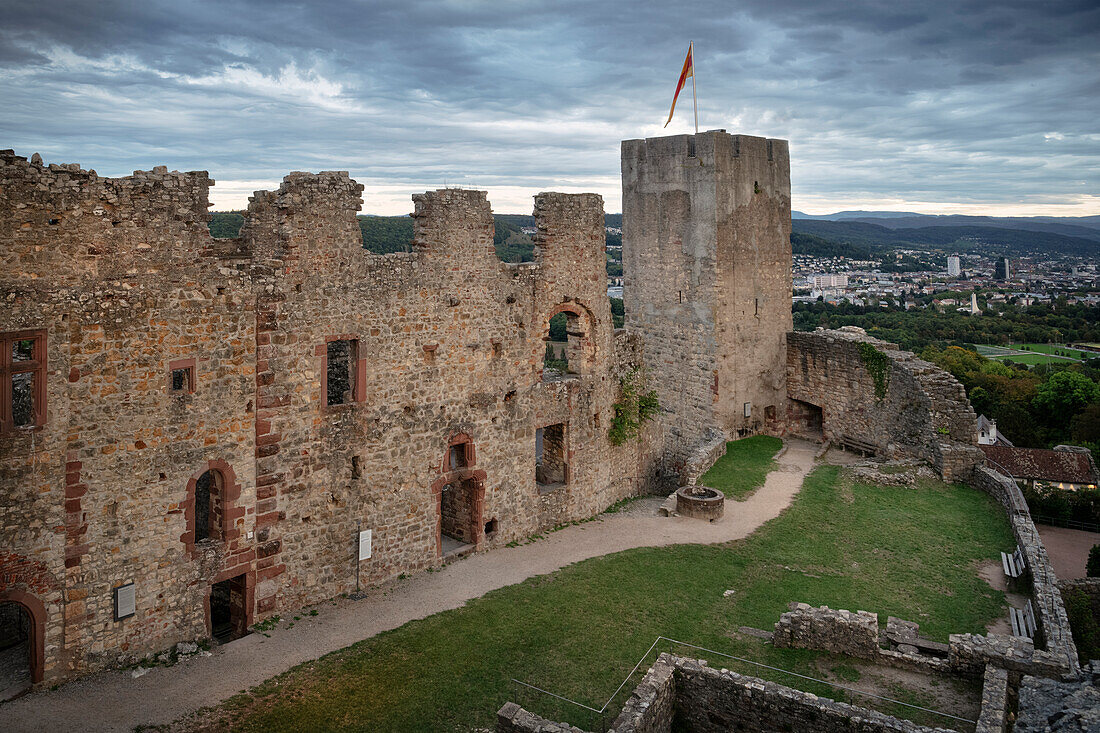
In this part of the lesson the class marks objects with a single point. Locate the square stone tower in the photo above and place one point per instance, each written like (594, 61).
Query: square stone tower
(707, 264)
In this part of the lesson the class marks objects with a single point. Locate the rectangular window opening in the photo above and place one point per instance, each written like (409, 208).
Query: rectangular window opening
(22, 380)
(457, 457)
(341, 357)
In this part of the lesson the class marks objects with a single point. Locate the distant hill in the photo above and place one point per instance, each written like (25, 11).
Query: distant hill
(844, 215)
(983, 238)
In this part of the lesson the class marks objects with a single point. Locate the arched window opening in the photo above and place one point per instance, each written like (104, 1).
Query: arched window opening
(208, 506)
(16, 637)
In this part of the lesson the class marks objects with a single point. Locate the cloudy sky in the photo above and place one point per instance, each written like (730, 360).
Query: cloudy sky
(932, 106)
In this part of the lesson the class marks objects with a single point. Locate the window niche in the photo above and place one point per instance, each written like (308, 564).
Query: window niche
(208, 506)
(22, 380)
(551, 470)
(342, 375)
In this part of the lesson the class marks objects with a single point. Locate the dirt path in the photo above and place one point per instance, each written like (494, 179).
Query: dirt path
(114, 701)
(1068, 549)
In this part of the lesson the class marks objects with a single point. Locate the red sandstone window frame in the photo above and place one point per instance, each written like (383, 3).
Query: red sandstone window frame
(358, 376)
(189, 366)
(8, 369)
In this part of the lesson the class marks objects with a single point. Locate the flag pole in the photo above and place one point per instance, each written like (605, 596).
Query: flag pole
(694, 100)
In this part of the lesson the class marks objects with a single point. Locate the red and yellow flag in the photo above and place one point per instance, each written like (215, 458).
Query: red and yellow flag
(688, 71)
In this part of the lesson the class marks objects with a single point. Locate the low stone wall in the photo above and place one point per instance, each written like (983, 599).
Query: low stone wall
(711, 700)
(839, 632)
(691, 695)
(1061, 653)
(994, 715)
(702, 458)
(652, 705)
(970, 654)
(513, 719)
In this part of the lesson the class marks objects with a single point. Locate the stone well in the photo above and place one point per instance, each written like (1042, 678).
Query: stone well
(700, 502)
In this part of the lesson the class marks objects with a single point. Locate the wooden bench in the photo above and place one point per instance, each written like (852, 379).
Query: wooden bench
(864, 447)
(1013, 564)
(1023, 621)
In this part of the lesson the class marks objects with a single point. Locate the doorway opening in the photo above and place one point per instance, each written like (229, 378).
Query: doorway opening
(15, 650)
(228, 610)
(807, 420)
(459, 517)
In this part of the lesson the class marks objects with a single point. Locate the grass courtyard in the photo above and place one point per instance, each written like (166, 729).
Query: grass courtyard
(744, 467)
(896, 551)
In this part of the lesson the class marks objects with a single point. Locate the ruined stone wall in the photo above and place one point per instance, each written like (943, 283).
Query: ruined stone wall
(120, 275)
(706, 257)
(447, 349)
(922, 413)
(450, 342)
(834, 631)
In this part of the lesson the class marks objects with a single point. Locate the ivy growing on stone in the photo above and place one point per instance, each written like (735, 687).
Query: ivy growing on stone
(878, 366)
(635, 407)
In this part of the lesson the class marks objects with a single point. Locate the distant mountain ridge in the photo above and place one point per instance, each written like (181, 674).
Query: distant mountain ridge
(1085, 227)
(987, 239)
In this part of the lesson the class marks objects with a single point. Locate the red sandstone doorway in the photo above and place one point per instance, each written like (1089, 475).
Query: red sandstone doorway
(460, 495)
(228, 616)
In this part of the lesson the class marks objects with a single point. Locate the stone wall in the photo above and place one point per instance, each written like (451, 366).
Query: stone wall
(686, 694)
(835, 631)
(712, 700)
(994, 714)
(121, 277)
(922, 411)
(706, 256)
(445, 347)
(1046, 599)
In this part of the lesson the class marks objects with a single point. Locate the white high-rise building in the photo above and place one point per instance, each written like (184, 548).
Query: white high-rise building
(953, 267)
(830, 281)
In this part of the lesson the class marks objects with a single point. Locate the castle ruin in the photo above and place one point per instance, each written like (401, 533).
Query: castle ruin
(196, 434)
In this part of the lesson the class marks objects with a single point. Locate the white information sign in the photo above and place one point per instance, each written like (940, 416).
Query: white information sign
(125, 601)
(364, 545)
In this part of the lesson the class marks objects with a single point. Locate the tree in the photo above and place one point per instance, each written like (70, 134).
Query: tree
(1092, 567)
(1065, 393)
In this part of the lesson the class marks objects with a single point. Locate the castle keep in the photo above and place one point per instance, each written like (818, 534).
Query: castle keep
(196, 434)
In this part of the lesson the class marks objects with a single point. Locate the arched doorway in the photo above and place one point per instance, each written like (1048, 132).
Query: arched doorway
(17, 650)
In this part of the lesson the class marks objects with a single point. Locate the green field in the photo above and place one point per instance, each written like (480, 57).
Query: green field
(1033, 353)
(905, 552)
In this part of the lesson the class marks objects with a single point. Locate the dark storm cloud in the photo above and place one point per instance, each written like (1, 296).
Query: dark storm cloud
(968, 102)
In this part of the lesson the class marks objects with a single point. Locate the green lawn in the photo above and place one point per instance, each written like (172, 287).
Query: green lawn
(900, 551)
(744, 467)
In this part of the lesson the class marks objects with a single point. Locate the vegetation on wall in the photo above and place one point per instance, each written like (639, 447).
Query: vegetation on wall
(878, 366)
(635, 407)
(1083, 625)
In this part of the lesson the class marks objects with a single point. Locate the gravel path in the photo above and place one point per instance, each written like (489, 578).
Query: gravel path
(114, 701)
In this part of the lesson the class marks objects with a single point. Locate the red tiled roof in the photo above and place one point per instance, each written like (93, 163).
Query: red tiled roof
(1039, 463)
